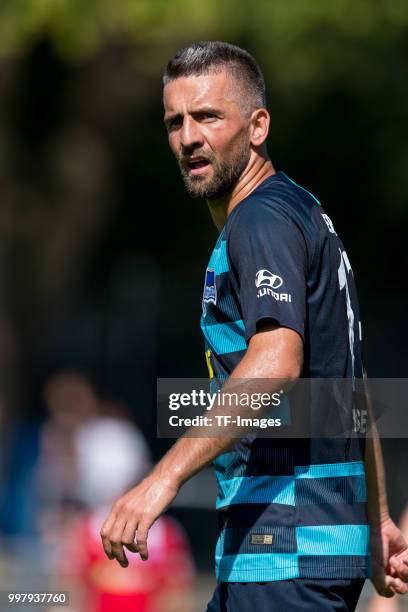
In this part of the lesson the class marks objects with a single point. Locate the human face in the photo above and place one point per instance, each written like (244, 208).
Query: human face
(208, 133)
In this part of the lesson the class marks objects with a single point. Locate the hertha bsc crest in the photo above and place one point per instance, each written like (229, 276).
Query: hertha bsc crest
(210, 289)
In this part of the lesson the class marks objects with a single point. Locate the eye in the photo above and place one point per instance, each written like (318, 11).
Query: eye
(206, 117)
(174, 124)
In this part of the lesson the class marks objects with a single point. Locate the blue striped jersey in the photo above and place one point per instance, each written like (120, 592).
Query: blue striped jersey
(287, 508)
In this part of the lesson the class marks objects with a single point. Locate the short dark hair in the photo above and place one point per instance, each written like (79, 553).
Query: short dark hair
(206, 56)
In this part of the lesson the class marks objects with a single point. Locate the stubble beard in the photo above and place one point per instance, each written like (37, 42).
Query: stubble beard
(225, 175)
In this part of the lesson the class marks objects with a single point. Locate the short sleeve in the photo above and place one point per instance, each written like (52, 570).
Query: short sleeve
(268, 256)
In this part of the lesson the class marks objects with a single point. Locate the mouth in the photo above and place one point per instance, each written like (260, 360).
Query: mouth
(196, 165)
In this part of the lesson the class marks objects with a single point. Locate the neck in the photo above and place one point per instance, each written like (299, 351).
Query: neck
(258, 169)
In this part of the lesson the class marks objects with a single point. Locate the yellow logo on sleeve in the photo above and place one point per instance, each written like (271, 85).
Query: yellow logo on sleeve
(209, 365)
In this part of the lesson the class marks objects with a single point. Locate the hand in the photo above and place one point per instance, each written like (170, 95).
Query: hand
(132, 516)
(389, 553)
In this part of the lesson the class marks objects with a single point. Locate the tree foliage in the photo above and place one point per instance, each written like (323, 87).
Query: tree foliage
(301, 41)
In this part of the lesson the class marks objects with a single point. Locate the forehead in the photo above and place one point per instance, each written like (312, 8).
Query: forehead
(185, 93)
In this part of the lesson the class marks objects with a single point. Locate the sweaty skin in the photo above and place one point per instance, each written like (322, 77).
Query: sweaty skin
(210, 127)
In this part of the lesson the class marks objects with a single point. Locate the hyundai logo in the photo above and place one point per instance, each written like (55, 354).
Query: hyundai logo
(264, 278)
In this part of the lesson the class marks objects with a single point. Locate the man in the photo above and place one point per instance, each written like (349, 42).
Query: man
(279, 302)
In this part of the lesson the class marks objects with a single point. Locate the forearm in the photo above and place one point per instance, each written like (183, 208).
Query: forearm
(190, 454)
(375, 478)
(274, 355)
(375, 473)
(273, 360)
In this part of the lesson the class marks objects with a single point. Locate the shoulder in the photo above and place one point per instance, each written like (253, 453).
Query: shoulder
(278, 209)
(277, 200)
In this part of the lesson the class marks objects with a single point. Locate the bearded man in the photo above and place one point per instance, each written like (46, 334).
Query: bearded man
(279, 303)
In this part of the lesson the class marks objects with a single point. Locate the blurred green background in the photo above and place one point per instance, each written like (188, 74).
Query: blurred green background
(101, 251)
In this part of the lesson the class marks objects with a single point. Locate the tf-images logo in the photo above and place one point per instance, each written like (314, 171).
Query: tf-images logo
(267, 282)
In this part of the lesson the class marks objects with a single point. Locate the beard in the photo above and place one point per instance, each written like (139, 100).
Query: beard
(225, 174)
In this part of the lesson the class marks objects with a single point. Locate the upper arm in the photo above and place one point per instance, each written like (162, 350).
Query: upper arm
(273, 352)
(269, 260)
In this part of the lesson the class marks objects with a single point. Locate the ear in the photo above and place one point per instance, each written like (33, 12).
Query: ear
(259, 126)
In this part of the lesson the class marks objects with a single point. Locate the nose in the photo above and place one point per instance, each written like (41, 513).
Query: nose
(190, 136)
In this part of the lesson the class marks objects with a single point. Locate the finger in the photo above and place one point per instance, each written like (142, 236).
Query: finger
(399, 569)
(105, 531)
(395, 585)
(141, 537)
(401, 558)
(400, 587)
(116, 536)
(129, 534)
(387, 588)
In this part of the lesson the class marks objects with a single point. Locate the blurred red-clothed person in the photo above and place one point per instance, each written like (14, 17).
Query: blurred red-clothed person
(112, 456)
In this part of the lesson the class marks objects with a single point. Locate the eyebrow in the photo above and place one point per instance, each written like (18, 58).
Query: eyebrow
(202, 110)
